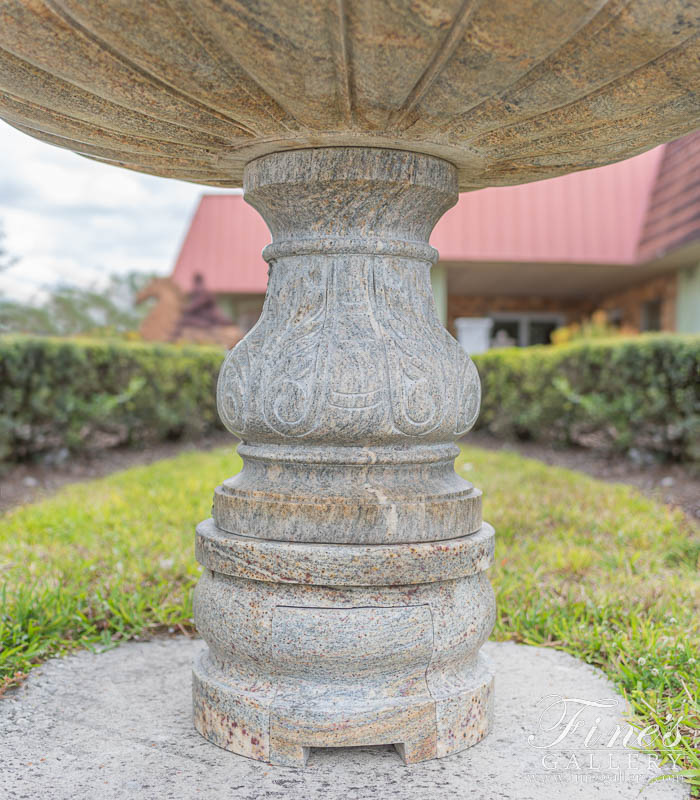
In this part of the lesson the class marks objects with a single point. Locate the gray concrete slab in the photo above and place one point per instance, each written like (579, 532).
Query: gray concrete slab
(119, 725)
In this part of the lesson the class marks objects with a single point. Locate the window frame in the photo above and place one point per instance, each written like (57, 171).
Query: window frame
(523, 318)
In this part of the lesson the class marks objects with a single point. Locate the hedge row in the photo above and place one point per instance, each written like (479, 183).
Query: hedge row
(60, 394)
(614, 394)
(639, 393)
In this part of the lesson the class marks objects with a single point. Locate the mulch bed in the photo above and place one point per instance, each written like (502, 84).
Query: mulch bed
(673, 484)
(30, 482)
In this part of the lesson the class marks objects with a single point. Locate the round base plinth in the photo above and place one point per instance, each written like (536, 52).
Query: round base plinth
(293, 665)
(281, 726)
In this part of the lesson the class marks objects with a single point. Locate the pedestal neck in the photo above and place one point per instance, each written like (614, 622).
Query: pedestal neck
(348, 393)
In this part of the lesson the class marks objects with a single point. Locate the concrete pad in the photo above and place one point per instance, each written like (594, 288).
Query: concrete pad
(119, 725)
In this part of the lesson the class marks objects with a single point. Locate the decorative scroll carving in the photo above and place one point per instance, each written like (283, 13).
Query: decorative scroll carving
(415, 356)
(295, 354)
(233, 389)
(344, 350)
(468, 388)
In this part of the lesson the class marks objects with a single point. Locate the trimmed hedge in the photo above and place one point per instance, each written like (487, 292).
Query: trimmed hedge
(616, 394)
(88, 394)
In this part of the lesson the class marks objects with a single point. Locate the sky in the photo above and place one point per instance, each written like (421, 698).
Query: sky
(72, 220)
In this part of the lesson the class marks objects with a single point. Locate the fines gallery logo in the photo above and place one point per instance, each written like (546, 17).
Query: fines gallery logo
(585, 741)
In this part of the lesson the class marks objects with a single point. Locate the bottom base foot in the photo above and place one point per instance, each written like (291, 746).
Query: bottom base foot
(280, 725)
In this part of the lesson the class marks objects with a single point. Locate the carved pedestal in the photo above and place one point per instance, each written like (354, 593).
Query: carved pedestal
(344, 598)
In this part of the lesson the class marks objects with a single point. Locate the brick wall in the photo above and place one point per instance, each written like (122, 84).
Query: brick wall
(464, 306)
(628, 303)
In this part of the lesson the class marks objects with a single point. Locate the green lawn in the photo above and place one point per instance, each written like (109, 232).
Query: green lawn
(587, 567)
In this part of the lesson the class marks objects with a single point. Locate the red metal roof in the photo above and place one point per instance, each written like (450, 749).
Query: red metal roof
(223, 244)
(673, 218)
(591, 217)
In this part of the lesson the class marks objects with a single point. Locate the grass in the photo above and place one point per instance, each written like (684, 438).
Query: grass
(595, 569)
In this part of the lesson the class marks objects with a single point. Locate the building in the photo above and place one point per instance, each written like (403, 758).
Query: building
(517, 262)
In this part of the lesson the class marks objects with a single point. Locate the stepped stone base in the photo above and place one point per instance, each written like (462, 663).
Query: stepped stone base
(295, 663)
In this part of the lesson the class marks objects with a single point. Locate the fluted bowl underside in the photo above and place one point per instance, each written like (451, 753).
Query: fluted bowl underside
(509, 91)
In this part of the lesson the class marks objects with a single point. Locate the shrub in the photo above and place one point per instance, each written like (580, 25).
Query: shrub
(597, 327)
(618, 394)
(642, 393)
(80, 394)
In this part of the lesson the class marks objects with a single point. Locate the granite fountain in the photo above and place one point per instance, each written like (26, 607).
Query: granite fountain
(344, 596)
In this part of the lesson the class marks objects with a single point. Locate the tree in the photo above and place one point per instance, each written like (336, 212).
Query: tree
(72, 310)
(6, 260)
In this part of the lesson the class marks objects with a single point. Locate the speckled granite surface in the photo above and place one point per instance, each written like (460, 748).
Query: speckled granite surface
(293, 666)
(343, 564)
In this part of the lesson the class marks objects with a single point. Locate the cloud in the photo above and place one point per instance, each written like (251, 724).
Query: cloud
(72, 220)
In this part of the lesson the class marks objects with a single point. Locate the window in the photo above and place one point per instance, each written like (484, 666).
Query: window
(505, 332)
(615, 317)
(523, 329)
(651, 315)
(540, 331)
